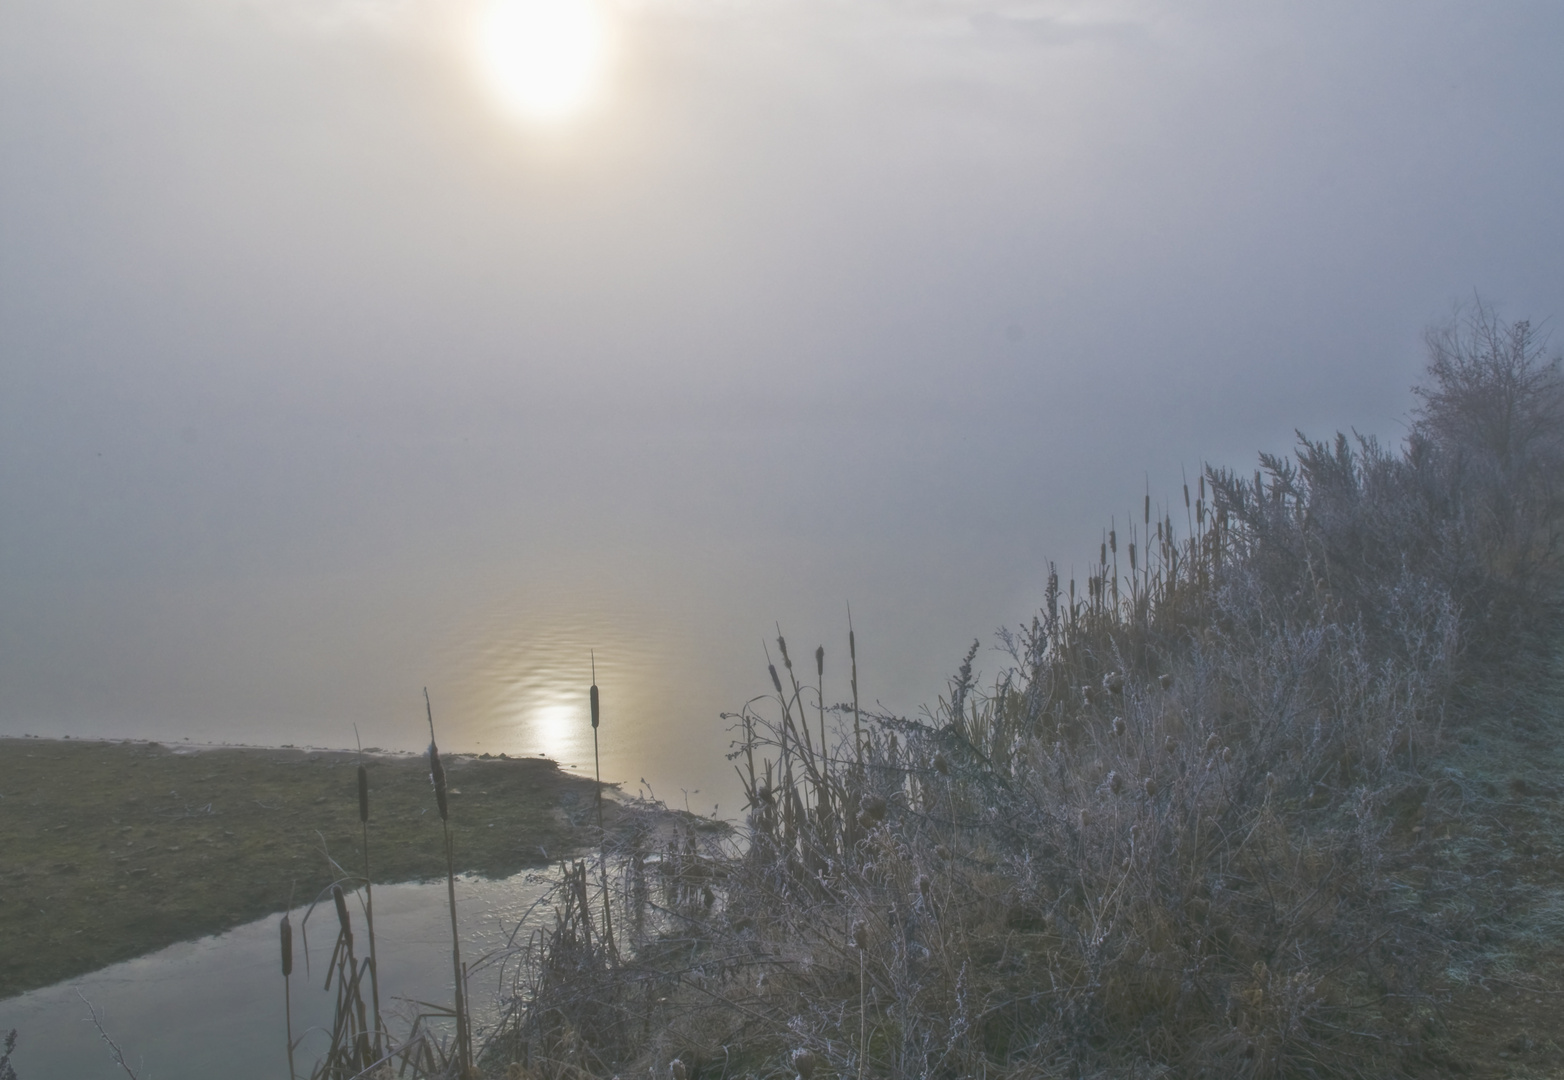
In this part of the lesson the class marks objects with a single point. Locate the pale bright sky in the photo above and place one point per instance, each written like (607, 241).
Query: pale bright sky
(300, 291)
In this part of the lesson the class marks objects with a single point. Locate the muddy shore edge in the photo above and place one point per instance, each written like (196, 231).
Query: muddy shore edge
(110, 850)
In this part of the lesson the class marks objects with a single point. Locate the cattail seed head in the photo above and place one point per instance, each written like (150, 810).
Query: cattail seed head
(787, 661)
(820, 661)
(1165, 681)
(923, 885)
(1169, 745)
(286, 932)
(363, 794)
(1151, 788)
(1227, 754)
(1212, 743)
(859, 934)
(776, 682)
(1119, 727)
(437, 778)
(1113, 682)
(341, 903)
(1113, 541)
(592, 697)
(1115, 783)
(1132, 558)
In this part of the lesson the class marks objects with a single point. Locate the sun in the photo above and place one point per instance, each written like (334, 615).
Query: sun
(544, 59)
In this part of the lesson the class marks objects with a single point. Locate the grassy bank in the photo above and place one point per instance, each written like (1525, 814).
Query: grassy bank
(113, 849)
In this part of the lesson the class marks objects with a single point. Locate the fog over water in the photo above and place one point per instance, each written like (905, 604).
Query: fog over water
(325, 376)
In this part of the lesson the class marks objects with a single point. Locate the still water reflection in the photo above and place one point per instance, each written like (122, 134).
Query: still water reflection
(214, 1007)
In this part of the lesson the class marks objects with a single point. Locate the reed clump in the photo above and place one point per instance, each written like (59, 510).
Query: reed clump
(1187, 830)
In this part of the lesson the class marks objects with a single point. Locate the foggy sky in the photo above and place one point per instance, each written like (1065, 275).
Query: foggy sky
(286, 301)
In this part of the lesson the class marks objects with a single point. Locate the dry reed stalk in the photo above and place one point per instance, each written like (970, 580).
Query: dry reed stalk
(369, 909)
(285, 933)
(437, 778)
(602, 836)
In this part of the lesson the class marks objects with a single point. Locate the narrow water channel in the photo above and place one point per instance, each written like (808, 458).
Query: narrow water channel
(214, 1007)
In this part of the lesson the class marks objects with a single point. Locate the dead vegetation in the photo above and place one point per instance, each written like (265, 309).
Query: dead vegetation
(1209, 820)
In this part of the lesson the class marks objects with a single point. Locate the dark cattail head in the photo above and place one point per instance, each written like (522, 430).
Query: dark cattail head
(852, 646)
(1147, 515)
(787, 661)
(437, 778)
(286, 932)
(592, 695)
(776, 682)
(341, 902)
(363, 794)
(820, 661)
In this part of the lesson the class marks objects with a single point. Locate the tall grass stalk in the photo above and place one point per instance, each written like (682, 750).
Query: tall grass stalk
(437, 779)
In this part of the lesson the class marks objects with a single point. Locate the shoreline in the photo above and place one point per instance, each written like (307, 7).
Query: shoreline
(112, 849)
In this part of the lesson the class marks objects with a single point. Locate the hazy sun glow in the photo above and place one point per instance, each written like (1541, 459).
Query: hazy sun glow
(544, 58)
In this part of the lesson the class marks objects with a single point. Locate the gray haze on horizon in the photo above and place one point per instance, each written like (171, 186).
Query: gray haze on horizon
(312, 362)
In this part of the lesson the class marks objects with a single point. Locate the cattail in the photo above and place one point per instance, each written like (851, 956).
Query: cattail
(782, 644)
(1084, 818)
(820, 661)
(1227, 754)
(592, 697)
(775, 681)
(1103, 555)
(286, 929)
(1165, 681)
(363, 795)
(1151, 788)
(923, 885)
(1113, 542)
(1118, 726)
(437, 778)
(1115, 783)
(1168, 745)
(1113, 682)
(1186, 497)
(871, 810)
(341, 902)
(1132, 558)
(1213, 742)
(859, 934)
(941, 764)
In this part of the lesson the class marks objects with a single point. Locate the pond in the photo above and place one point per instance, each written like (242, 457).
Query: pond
(214, 1007)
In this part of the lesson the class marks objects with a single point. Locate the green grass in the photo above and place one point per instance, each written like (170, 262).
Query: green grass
(112, 849)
